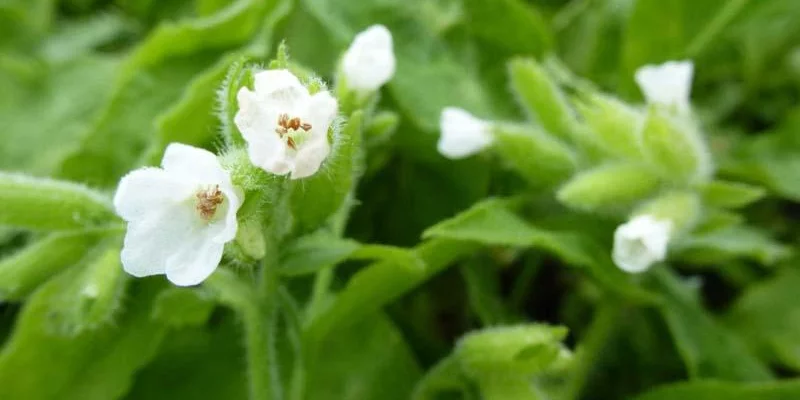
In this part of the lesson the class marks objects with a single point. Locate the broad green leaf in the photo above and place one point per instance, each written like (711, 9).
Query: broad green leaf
(709, 350)
(539, 158)
(22, 272)
(767, 315)
(712, 390)
(367, 360)
(769, 160)
(736, 241)
(610, 187)
(93, 297)
(381, 283)
(726, 194)
(314, 252)
(45, 204)
(541, 98)
(196, 363)
(315, 199)
(181, 307)
(491, 223)
(97, 364)
(523, 31)
(43, 121)
(160, 68)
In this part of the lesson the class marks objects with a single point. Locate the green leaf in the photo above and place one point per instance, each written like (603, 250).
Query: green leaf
(767, 316)
(97, 364)
(523, 31)
(674, 147)
(726, 194)
(22, 272)
(541, 98)
(381, 283)
(45, 204)
(181, 307)
(160, 68)
(196, 363)
(94, 295)
(769, 160)
(491, 223)
(536, 156)
(708, 349)
(610, 187)
(712, 390)
(315, 199)
(314, 252)
(730, 243)
(367, 360)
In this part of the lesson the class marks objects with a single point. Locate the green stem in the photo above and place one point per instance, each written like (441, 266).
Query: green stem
(259, 354)
(602, 327)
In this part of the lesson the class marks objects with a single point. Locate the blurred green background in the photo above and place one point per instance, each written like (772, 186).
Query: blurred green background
(91, 89)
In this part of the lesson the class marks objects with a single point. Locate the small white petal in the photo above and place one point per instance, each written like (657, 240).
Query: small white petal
(193, 164)
(640, 243)
(279, 85)
(668, 84)
(194, 262)
(369, 62)
(309, 159)
(462, 134)
(150, 242)
(145, 189)
(257, 124)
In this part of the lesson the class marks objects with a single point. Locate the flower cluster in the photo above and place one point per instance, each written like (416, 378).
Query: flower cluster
(180, 216)
(644, 239)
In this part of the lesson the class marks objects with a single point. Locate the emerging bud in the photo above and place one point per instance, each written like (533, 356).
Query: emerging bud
(462, 134)
(369, 62)
(640, 243)
(668, 84)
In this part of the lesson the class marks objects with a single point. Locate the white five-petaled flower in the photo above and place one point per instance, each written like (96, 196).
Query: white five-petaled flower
(640, 243)
(668, 84)
(369, 62)
(179, 216)
(462, 134)
(285, 127)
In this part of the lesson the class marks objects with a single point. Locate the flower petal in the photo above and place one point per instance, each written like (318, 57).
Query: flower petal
(309, 158)
(462, 134)
(193, 164)
(369, 61)
(279, 85)
(641, 242)
(224, 229)
(194, 262)
(146, 189)
(669, 84)
(150, 242)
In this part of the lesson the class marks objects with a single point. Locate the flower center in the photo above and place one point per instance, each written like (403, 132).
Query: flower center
(207, 201)
(293, 129)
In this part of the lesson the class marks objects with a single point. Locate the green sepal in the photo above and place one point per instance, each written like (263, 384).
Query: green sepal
(541, 159)
(674, 147)
(609, 188)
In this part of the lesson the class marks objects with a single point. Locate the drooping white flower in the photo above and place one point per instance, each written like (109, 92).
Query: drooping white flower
(285, 127)
(369, 62)
(669, 84)
(179, 216)
(640, 243)
(462, 134)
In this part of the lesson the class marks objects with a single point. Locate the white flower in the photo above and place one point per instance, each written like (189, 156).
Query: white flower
(369, 62)
(285, 127)
(669, 84)
(179, 216)
(640, 243)
(462, 134)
